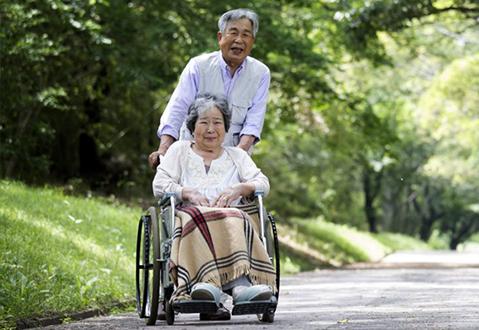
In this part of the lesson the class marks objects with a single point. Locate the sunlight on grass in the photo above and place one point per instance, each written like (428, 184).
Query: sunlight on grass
(340, 244)
(401, 242)
(475, 238)
(288, 266)
(359, 244)
(60, 253)
(85, 245)
(438, 241)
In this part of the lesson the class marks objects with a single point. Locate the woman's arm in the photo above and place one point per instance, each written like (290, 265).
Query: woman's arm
(252, 180)
(250, 173)
(167, 177)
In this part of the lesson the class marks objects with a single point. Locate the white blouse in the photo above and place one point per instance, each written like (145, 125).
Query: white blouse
(182, 167)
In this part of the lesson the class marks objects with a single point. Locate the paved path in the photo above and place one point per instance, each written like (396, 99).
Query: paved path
(429, 290)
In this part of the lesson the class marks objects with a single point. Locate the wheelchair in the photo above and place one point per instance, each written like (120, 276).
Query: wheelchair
(154, 287)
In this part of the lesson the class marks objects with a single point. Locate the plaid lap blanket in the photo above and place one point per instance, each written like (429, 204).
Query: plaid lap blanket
(216, 245)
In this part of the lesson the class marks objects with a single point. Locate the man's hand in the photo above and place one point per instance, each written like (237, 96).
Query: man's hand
(246, 141)
(154, 158)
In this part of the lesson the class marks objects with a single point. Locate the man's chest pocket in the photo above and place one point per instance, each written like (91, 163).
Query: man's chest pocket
(238, 114)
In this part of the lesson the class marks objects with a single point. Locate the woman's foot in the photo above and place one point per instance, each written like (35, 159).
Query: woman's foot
(253, 293)
(205, 291)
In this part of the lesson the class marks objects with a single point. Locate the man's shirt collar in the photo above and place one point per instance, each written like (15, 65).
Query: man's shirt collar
(226, 67)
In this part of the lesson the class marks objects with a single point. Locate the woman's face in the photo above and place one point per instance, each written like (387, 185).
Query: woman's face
(209, 130)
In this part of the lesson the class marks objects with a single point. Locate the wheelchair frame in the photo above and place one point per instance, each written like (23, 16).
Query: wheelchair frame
(153, 285)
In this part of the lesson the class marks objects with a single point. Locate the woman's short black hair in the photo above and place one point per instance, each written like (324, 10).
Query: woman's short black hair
(204, 102)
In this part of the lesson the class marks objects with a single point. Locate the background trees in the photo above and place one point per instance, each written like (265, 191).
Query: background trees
(372, 118)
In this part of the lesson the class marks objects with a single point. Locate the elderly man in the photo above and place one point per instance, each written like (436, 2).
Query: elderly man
(231, 72)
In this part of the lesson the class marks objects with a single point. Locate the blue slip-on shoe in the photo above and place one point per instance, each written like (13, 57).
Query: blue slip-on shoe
(257, 299)
(253, 293)
(205, 292)
(204, 298)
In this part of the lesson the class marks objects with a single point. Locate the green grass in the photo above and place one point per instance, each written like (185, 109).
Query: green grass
(438, 241)
(61, 253)
(293, 262)
(474, 238)
(398, 242)
(341, 244)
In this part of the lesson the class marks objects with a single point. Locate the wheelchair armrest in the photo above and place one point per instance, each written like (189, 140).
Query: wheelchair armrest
(259, 193)
(165, 200)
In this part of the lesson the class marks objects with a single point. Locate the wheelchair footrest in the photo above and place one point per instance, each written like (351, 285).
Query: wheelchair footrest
(195, 306)
(254, 307)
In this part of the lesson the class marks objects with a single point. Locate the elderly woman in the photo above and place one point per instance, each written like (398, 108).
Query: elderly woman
(219, 248)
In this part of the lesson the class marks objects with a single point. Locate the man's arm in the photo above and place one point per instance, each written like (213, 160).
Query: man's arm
(165, 142)
(177, 108)
(246, 141)
(253, 125)
(175, 112)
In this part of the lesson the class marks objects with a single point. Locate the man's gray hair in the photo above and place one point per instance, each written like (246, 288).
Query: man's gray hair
(237, 14)
(203, 103)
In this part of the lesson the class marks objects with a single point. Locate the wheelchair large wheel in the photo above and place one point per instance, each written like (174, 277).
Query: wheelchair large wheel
(156, 280)
(148, 267)
(273, 251)
(144, 266)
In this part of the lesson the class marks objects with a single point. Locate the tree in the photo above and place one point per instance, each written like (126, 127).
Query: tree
(93, 77)
(363, 20)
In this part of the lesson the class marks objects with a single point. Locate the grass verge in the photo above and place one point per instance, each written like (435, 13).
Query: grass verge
(338, 245)
(397, 242)
(61, 254)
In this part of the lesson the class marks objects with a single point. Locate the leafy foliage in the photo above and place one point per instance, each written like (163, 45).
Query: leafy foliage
(361, 123)
(364, 19)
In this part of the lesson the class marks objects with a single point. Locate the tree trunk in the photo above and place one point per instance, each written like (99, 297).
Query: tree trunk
(454, 242)
(425, 230)
(461, 234)
(368, 202)
(427, 213)
(22, 125)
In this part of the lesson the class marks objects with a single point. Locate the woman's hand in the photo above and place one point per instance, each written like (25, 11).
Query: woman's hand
(231, 194)
(227, 197)
(194, 197)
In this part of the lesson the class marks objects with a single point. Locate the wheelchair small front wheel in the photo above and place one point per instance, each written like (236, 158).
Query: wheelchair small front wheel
(267, 317)
(170, 313)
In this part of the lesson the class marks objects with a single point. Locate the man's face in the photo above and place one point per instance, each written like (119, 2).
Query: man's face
(236, 42)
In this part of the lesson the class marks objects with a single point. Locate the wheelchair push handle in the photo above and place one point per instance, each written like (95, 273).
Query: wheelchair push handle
(259, 195)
